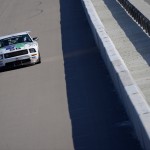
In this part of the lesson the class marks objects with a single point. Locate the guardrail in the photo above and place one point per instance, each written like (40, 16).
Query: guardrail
(136, 15)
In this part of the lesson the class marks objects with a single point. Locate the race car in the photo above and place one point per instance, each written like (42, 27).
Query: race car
(18, 50)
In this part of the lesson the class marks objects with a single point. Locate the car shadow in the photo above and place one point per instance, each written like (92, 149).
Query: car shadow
(5, 69)
(99, 121)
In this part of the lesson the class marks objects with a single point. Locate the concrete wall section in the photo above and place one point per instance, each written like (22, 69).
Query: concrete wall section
(132, 98)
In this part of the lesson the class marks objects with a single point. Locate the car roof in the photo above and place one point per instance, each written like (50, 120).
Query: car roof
(16, 34)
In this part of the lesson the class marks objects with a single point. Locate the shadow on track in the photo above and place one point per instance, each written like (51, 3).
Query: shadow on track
(99, 121)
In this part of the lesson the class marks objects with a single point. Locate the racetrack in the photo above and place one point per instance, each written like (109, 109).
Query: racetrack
(33, 102)
(148, 1)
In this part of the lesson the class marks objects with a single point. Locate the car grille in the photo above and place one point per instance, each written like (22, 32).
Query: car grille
(18, 63)
(18, 53)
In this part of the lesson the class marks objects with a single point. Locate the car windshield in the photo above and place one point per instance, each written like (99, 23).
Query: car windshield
(14, 40)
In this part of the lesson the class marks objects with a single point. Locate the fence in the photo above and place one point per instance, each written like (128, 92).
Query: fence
(136, 15)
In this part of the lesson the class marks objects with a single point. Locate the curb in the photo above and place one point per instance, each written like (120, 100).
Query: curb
(134, 102)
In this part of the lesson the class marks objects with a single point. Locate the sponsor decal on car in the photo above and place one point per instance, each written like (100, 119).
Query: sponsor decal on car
(10, 47)
(19, 45)
(16, 46)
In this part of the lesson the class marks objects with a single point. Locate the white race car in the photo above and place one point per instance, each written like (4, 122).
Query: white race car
(18, 49)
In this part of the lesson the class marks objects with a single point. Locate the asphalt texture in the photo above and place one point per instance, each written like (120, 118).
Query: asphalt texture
(148, 1)
(99, 121)
(33, 102)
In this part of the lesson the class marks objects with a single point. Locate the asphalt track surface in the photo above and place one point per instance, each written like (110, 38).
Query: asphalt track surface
(36, 103)
(33, 103)
(148, 1)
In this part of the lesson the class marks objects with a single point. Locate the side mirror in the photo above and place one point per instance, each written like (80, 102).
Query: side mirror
(35, 39)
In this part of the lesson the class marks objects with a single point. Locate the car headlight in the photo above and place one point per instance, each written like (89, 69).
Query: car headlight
(1, 57)
(32, 50)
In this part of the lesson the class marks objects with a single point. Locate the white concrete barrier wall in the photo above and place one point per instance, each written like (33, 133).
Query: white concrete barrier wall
(132, 98)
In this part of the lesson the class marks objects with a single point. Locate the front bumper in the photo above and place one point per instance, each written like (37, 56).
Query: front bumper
(19, 61)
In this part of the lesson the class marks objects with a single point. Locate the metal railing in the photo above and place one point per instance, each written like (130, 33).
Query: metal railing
(136, 15)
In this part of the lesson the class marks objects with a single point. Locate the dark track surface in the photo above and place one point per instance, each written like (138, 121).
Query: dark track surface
(99, 121)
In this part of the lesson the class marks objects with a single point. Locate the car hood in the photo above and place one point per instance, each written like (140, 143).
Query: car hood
(19, 46)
